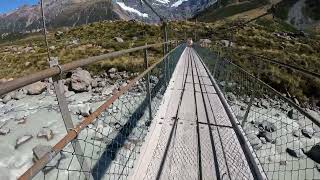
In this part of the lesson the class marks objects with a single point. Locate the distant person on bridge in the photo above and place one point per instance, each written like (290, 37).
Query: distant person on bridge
(189, 42)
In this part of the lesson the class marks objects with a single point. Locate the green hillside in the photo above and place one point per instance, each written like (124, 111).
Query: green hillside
(260, 38)
(27, 55)
(214, 13)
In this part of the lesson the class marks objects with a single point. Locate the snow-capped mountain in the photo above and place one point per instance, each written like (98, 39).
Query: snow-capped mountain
(75, 12)
(171, 9)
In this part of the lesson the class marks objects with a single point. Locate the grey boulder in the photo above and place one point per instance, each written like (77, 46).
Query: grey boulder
(36, 88)
(94, 83)
(254, 141)
(267, 135)
(292, 115)
(297, 153)
(108, 90)
(119, 40)
(267, 126)
(19, 94)
(231, 97)
(154, 79)
(112, 70)
(308, 132)
(6, 98)
(4, 131)
(85, 110)
(81, 80)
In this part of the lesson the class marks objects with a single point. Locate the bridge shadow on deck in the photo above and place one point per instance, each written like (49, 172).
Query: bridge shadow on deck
(110, 152)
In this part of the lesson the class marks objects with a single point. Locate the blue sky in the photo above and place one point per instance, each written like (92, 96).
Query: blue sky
(9, 5)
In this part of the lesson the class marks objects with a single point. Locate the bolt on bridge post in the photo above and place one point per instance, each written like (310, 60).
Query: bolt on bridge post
(146, 65)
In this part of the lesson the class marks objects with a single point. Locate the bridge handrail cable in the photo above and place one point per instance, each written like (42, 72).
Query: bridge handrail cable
(50, 72)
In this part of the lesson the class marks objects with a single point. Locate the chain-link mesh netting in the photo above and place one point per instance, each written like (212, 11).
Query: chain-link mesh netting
(284, 137)
(230, 155)
(107, 148)
(52, 36)
(194, 140)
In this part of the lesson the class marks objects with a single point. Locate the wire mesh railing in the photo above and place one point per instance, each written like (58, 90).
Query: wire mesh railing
(105, 144)
(284, 137)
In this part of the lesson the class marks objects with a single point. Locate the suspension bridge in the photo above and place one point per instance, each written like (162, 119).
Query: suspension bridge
(193, 137)
(203, 118)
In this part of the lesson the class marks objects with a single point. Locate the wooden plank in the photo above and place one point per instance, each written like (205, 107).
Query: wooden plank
(219, 152)
(152, 152)
(231, 153)
(201, 70)
(216, 113)
(209, 89)
(207, 159)
(173, 104)
(178, 83)
(187, 108)
(156, 150)
(205, 80)
(202, 116)
(182, 160)
(189, 79)
(182, 64)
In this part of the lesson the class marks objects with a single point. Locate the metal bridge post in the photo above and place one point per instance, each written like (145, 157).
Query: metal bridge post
(245, 117)
(63, 105)
(168, 67)
(170, 60)
(254, 93)
(146, 65)
(165, 50)
(65, 113)
(217, 63)
(216, 66)
(227, 74)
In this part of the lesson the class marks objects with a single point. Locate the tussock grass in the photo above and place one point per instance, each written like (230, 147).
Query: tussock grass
(98, 38)
(258, 38)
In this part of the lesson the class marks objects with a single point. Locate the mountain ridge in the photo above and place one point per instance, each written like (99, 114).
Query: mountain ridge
(61, 13)
(70, 13)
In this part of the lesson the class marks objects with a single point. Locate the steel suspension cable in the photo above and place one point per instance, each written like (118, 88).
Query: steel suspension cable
(266, 59)
(45, 30)
(304, 71)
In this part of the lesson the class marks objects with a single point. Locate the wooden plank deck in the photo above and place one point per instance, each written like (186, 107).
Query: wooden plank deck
(191, 136)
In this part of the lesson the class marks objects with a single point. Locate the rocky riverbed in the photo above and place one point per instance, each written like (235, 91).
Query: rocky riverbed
(30, 122)
(286, 142)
